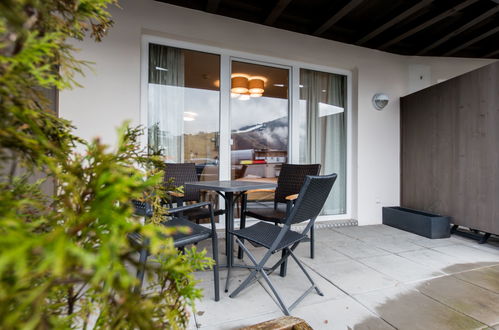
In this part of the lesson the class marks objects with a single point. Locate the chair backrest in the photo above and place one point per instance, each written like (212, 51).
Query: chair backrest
(291, 179)
(142, 208)
(311, 198)
(180, 174)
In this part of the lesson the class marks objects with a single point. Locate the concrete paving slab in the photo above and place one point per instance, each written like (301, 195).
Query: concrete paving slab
(362, 232)
(488, 247)
(342, 314)
(208, 274)
(439, 261)
(249, 303)
(387, 230)
(295, 284)
(487, 278)
(356, 249)
(400, 269)
(237, 324)
(339, 256)
(330, 234)
(406, 308)
(470, 254)
(431, 243)
(192, 320)
(354, 277)
(393, 244)
(469, 299)
(323, 254)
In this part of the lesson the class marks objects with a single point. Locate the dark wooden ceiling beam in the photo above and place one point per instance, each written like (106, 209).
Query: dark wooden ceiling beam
(494, 54)
(472, 41)
(397, 19)
(276, 11)
(463, 28)
(212, 6)
(428, 23)
(336, 17)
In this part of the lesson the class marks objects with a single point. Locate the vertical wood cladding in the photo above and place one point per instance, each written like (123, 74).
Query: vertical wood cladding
(450, 149)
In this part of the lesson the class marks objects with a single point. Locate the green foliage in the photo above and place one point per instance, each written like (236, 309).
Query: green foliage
(64, 254)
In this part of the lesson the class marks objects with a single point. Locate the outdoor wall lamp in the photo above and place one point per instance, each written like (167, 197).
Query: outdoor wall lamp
(380, 101)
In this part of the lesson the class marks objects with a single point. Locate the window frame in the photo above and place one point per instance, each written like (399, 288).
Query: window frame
(226, 58)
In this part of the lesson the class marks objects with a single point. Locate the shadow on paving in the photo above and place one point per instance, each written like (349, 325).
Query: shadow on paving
(427, 306)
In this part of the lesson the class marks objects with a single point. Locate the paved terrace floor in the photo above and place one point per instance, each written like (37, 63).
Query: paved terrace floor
(373, 277)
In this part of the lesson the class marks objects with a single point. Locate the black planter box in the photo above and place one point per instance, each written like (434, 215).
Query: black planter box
(417, 222)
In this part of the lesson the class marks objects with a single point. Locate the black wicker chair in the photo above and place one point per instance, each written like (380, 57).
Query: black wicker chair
(180, 174)
(197, 233)
(309, 203)
(289, 183)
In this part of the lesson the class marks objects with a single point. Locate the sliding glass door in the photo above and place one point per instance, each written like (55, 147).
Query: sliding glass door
(259, 119)
(251, 119)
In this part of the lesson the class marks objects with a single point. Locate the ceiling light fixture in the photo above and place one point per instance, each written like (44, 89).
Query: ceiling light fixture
(256, 85)
(239, 83)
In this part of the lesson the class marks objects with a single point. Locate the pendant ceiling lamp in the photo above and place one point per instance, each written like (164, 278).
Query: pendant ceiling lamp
(244, 86)
(239, 83)
(256, 85)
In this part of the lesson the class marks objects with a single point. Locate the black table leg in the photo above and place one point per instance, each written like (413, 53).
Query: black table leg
(229, 224)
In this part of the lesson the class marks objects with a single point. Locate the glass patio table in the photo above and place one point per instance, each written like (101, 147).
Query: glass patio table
(230, 190)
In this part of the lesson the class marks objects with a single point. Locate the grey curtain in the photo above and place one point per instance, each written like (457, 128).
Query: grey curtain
(325, 103)
(166, 102)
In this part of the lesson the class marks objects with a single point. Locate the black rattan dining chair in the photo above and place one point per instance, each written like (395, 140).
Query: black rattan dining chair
(309, 203)
(179, 174)
(197, 233)
(289, 183)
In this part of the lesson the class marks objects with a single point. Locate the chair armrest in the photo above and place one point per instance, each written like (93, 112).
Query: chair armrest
(175, 194)
(187, 207)
(194, 206)
(259, 190)
(292, 197)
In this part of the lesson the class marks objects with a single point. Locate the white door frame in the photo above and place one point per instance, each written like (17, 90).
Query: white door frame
(226, 56)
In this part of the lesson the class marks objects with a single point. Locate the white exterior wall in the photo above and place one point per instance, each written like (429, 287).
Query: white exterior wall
(111, 92)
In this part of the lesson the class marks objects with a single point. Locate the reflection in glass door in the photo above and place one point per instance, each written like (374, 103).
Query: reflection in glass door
(259, 110)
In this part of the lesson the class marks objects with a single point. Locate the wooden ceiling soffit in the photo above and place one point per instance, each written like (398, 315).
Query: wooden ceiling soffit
(428, 23)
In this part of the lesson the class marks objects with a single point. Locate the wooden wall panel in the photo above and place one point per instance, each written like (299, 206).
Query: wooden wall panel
(450, 149)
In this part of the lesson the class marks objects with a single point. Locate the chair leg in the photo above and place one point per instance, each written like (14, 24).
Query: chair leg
(253, 273)
(276, 293)
(214, 242)
(319, 292)
(312, 242)
(141, 270)
(242, 222)
(284, 265)
(259, 268)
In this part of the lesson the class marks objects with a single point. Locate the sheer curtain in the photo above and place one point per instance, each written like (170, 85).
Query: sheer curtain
(324, 95)
(166, 102)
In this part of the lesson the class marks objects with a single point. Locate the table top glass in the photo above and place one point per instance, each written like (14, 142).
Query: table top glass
(231, 185)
